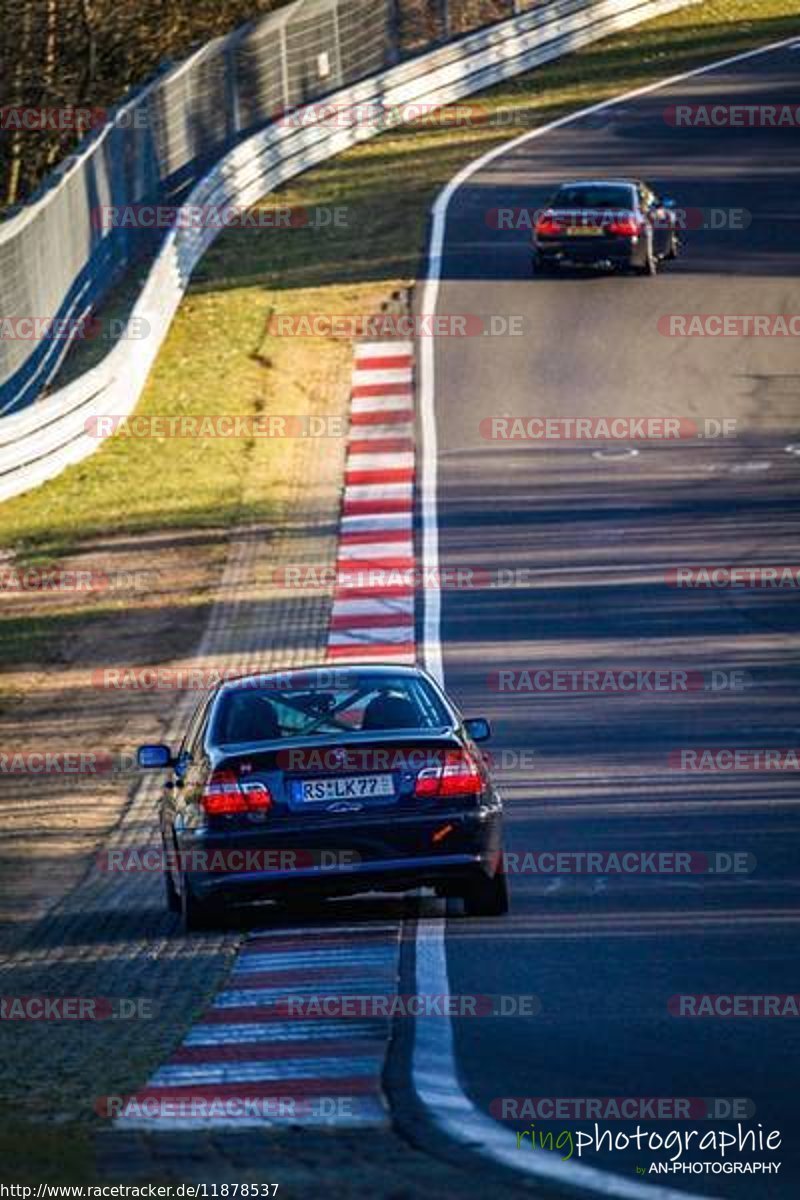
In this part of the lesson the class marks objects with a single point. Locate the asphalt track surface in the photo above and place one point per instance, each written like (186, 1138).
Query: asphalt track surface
(598, 534)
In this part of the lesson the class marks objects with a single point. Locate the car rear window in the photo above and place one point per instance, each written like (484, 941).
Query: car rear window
(268, 712)
(593, 196)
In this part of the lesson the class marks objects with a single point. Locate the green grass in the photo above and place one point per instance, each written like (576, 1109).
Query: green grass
(217, 357)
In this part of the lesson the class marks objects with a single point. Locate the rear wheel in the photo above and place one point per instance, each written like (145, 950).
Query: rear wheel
(196, 914)
(171, 896)
(650, 264)
(541, 265)
(299, 905)
(487, 897)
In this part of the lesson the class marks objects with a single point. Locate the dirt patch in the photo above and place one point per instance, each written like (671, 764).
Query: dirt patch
(65, 755)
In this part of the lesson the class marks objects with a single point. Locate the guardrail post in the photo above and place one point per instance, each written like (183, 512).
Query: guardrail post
(337, 43)
(285, 69)
(444, 20)
(393, 27)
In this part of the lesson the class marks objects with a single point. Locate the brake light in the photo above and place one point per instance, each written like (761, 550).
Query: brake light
(547, 226)
(625, 227)
(224, 794)
(459, 775)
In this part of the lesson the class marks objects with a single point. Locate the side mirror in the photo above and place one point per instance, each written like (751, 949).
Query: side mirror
(478, 729)
(154, 758)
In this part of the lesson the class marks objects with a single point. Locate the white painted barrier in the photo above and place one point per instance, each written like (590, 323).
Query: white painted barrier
(37, 443)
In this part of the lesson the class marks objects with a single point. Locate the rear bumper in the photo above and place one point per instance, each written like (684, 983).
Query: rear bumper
(397, 857)
(589, 251)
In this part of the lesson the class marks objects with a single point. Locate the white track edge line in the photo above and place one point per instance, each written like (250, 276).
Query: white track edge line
(439, 1090)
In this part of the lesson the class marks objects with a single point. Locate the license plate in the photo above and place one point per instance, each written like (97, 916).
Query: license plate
(584, 231)
(349, 787)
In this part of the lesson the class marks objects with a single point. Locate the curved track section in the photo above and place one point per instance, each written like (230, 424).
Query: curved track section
(571, 546)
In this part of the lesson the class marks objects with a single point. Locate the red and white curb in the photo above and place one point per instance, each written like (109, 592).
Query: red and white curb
(373, 605)
(266, 1053)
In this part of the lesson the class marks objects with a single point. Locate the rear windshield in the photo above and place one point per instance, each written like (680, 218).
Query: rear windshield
(600, 195)
(268, 712)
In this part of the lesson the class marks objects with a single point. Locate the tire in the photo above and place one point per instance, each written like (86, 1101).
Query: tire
(542, 266)
(650, 265)
(487, 897)
(171, 896)
(196, 914)
(300, 906)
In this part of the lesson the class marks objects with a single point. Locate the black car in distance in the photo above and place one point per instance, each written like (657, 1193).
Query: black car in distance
(619, 224)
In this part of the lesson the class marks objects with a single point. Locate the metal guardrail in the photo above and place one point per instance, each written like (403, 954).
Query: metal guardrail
(56, 257)
(39, 442)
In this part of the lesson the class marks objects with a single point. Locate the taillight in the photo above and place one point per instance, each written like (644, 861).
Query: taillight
(225, 794)
(625, 226)
(547, 226)
(459, 775)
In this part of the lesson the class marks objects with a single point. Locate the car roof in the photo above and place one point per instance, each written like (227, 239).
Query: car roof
(631, 183)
